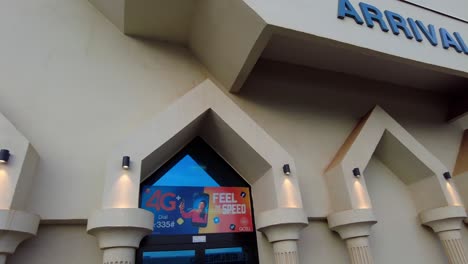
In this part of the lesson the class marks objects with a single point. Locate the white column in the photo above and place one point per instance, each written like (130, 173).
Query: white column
(453, 246)
(447, 222)
(285, 252)
(282, 227)
(354, 228)
(3, 258)
(119, 232)
(359, 250)
(124, 255)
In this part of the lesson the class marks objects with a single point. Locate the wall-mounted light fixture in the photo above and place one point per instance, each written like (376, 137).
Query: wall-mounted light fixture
(356, 172)
(126, 162)
(4, 155)
(286, 169)
(447, 175)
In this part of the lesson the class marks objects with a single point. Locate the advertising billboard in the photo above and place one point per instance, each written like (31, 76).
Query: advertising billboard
(198, 210)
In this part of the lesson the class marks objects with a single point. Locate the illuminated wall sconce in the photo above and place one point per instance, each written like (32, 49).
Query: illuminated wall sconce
(4, 155)
(126, 162)
(356, 172)
(286, 169)
(447, 175)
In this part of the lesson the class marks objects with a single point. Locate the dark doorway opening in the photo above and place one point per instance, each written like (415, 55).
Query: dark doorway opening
(223, 228)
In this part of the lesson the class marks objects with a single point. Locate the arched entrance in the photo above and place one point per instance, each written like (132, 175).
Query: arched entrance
(429, 181)
(207, 112)
(203, 211)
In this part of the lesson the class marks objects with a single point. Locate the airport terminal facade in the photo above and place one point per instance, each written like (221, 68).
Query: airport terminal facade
(234, 131)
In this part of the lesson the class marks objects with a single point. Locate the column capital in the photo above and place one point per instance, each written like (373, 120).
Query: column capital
(443, 218)
(352, 223)
(282, 223)
(15, 227)
(120, 227)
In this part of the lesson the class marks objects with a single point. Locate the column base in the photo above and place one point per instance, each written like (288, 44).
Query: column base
(119, 232)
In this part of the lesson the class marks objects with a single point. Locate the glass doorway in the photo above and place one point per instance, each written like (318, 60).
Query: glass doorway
(232, 255)
(169, 257)
(203, 211)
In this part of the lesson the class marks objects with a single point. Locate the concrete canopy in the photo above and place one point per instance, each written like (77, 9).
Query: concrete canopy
(379, 133)
(229, 37)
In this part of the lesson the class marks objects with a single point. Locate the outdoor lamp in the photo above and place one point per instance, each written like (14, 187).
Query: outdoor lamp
(356, 172)
(126, 162)
(4, 155)
(447, 175)
(286, 169)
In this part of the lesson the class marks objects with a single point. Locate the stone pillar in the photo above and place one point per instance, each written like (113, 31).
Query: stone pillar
(285, 252)
(447, 222)
(119, 232)
(453, 245)
(354, 227)
(358, 250)
(15, 227)
(282, 226)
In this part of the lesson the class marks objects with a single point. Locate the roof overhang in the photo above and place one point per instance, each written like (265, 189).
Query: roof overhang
(229, 37)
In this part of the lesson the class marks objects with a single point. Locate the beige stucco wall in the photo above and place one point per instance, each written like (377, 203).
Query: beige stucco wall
(310, 113)
(75, 87)
(398, 229)
(58, 244)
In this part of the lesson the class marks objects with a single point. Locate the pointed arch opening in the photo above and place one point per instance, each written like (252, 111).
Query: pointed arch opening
(207, 113)
(380, 135)
(197, 195)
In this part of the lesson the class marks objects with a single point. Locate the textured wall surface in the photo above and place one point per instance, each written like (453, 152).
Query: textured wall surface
(311, 113)
(58, 244)
(75, 87)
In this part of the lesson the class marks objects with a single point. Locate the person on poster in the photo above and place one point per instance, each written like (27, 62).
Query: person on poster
(199, 215)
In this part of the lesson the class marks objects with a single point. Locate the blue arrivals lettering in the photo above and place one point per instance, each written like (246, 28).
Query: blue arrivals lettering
(411, 28)
(414, 28)
(371, 14)
(429, 32)
(448, 41)
(396, 23)
(345, 9)
(461, 41)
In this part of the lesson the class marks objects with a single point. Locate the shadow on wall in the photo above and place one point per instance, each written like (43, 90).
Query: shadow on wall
(291, 88)
(398, 237)
(58, 244)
